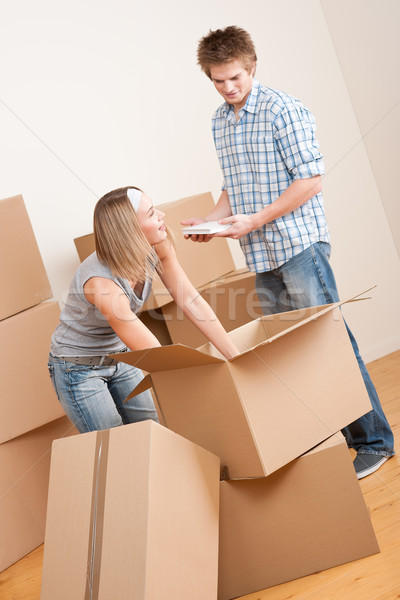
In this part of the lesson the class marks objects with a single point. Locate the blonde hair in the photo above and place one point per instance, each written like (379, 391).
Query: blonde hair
(120, 242)
(224, 46)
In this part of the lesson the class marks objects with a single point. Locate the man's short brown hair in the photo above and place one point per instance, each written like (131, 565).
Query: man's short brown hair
(225, 45)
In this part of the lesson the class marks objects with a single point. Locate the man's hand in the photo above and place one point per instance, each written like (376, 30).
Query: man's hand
(196, 238)
(241, 224)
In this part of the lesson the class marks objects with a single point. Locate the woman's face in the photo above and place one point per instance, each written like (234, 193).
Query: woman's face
(151, 221)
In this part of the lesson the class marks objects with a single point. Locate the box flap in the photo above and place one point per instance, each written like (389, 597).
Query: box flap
(166, 358)
(309, 314)
(143, 386)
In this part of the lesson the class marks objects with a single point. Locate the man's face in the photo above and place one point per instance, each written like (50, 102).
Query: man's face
(233, 82)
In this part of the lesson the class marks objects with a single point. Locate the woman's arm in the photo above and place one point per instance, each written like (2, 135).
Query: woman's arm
(111, 301)
(194, 307)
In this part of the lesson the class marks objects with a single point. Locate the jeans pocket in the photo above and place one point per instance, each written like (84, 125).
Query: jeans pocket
(325, 249)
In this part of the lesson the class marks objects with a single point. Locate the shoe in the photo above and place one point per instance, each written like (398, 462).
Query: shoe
(365, 464)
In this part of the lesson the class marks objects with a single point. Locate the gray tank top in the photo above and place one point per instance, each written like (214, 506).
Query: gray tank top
(83, 330)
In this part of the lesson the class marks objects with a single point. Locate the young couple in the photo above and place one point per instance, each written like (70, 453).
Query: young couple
(271, 197)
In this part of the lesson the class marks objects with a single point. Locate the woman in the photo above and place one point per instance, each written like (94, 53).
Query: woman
(100, 316)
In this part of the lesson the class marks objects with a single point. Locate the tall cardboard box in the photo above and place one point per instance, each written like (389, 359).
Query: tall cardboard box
(24, 282)
(133, 513)
(296, 378)
(308, 516)
(24, 480)
(27, 397)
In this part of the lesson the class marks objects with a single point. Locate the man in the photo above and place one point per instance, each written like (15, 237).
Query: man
(272, 199)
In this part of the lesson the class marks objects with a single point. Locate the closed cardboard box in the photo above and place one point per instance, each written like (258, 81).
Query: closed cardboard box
(308, 516)
(295, 383)
(27, 398)
(24, 282)
(24, 479)
(211, 269)
(201, 262)
(132, 513)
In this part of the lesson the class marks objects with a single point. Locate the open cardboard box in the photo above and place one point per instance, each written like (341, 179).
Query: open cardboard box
(133, 512)
(233, 298)
(22, 273)
(295, 383)
(308, 516)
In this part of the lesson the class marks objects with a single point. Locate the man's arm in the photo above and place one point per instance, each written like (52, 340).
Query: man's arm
(297, 194)
(221, 210)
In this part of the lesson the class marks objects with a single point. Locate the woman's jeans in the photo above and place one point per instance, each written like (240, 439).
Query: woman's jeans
(308, 280)
(93, 397)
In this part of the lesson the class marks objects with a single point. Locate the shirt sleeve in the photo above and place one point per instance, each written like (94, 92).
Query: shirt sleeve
(294, 133)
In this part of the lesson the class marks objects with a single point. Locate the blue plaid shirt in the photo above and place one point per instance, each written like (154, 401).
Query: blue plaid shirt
(272, 144)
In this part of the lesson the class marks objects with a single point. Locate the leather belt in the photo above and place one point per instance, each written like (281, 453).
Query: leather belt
(94, 361)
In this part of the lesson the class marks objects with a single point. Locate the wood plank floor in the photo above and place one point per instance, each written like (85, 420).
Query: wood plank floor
(372, 578)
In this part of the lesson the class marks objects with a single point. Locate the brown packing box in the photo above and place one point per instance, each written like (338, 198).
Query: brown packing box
(296, 374)
(201, 262)
(24, 478)
(308, 516)
(22, 273)
(27, 397)
(233, 298)
(84, 246)
(132, 513)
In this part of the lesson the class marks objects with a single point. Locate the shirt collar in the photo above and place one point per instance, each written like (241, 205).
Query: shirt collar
(251, 102)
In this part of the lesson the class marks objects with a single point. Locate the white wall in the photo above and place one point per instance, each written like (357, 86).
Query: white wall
(366, 35)
(97, 95)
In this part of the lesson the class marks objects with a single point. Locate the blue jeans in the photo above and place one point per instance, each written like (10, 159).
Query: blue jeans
(93, 397)
(308, 280)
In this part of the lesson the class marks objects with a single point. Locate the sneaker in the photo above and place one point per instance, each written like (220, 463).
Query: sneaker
(365, 464)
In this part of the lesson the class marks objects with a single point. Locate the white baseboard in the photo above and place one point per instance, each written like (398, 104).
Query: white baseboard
(375, 352)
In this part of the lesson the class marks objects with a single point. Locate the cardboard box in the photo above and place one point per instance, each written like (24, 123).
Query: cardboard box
(295, 383)
(24, 478)
(211, 269)
(27, 397)
(154, 320)
(84, 246)
(308, 516)
(202, 263)
(133, 513)
(22, 273)
(233, 298)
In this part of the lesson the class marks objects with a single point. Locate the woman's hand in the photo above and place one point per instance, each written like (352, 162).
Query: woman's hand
(193, 237)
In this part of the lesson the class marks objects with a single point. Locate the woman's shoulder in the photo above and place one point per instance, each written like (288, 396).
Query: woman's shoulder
(91, 264)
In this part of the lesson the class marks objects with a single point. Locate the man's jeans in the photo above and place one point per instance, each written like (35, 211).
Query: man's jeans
(93, 397)
(308, 280)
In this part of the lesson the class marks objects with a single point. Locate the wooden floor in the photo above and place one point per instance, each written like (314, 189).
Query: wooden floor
(372, 578)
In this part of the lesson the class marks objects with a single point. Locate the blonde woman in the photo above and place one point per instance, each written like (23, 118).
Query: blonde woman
(100, 316)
